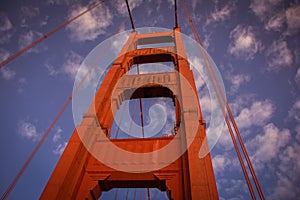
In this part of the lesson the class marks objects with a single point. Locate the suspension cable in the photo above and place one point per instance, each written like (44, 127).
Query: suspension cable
(197, 37)
(14, 56)
(176, 14)
(39, 144)
(129, 12)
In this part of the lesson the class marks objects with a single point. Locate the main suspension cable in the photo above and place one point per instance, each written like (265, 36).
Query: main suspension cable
(218, 89)
(39, 144)
(14, 56)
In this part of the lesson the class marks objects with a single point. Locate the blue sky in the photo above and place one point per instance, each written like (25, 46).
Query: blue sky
(255, 45)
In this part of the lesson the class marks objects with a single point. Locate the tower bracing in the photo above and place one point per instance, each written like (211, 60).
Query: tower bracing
(94, 162)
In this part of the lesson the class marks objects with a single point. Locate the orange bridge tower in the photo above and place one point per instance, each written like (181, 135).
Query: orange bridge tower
(170, 163)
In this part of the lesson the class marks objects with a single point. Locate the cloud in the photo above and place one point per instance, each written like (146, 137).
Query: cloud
(60, 2)
(263, 8)
(7, 74)
(279, 56)
(244, 44)
(294, 112)
(268, 145)
(27, 38)
(5, 28)
(4, 54)
(237, 80)
(220, 163)
(220, 15)
(57, 135)
(288, 177)
(51, 70)
(257, 115)
(297, 77)
(293, 19)
(276, 22)
(122, 8)
(71, 64)
(90, 25)
(28, 130)
(28, 12)
(60, 148)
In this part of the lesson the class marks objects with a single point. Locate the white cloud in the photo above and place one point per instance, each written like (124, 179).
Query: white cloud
(90, 25)
(60, 148)
(237, 80)
(5, 28)
(279, 55)
(27, 38)
(28, 12)
(243, 42)
(221, 14)
(293, 19)
(294, 112)
(288, 178)
(275, 22)
(57, 135)
(72, 64)
(28, 130)
(258, 114)
(4, 54)
(5, 23)
(122, 8)
(262, 8)
(220, 162)
(297, 77)
(51, 70)
(60, 2)
(7, 73)
(268, 145)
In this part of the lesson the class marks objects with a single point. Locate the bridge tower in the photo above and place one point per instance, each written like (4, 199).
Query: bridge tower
(80, 175)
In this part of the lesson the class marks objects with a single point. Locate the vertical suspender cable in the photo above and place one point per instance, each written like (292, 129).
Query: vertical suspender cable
(37, 147)
(14, 56)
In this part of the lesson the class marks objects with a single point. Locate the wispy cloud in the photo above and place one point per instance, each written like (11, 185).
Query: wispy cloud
(297, 77)
(28, 13)
(244, 43)
(7, 74)
(276, 22)
(90, 25)
(4, 54)
(28, 130)
(237, 80)
(5, 28)
(71, 64)
(263, 8)
(220, 15)
(60, 148)
(294, 112)
(279, 56)
(121, 6)
(27, 38)
(57, 135)
(266, 146)
(256, 115)
(293, 19)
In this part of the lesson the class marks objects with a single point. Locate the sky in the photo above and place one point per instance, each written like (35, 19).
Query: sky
(255, 45)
